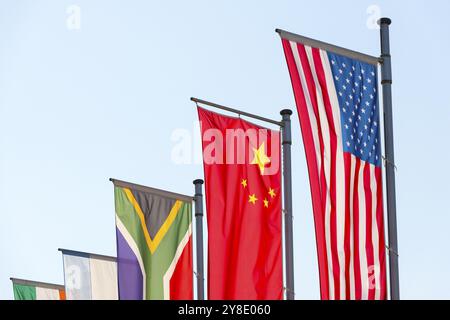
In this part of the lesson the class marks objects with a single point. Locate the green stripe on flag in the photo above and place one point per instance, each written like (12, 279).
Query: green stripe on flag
(23, 292)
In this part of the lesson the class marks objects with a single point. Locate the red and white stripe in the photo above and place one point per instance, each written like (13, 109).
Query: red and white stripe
(346, 191)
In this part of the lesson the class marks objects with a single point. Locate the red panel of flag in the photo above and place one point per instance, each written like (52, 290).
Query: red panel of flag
(243, 201)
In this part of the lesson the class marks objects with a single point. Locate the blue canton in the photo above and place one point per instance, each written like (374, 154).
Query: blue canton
(356, 87)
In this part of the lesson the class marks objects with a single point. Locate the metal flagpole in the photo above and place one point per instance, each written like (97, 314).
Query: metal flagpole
(239, 112)
(386, 82)
(198, 199)
(46, 285)
(287, 183)
(157, 192)
(328, 47)
(87, 254)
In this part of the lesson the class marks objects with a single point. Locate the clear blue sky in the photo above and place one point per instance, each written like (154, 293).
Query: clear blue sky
(80, 106)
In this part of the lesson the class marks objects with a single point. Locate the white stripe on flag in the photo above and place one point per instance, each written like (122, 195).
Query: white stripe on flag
(103, 279)
(47, 294)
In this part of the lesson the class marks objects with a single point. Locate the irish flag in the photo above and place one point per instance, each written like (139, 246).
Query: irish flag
(33, 290)
(154, 247)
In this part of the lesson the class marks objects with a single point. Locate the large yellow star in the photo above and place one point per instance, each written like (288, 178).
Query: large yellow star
(260, 158)
(252, 198)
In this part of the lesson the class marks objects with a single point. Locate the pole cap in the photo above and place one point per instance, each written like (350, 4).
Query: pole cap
(198, 181)
(286, 111)
(386, 21)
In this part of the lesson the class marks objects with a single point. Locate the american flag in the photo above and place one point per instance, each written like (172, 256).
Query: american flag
(337, 103)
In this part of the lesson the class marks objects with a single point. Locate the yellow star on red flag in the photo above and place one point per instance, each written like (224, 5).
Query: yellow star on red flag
(260, 157)
(272, 193)
(252, 198)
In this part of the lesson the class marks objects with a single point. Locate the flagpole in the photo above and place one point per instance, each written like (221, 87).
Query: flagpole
(46, 285)
(239, 112)
(198, 199)
(328, 47)
(386, 82)
(87, 254)
(287, 182)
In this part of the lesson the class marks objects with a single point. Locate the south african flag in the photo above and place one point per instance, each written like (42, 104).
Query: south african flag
(154, 248)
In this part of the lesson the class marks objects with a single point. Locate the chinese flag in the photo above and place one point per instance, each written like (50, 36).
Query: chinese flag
(243, 202)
